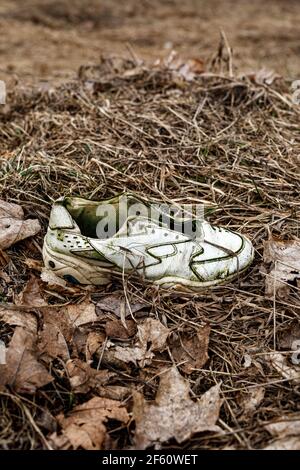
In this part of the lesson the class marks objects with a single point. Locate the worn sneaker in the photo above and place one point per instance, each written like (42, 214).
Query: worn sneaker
(89, 241)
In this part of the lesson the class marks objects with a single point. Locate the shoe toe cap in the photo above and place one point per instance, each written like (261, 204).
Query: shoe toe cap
(239, 249)
(225, 254)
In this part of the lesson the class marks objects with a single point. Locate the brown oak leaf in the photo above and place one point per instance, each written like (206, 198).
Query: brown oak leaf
(85, 426)
(22, 371)
(173, 414)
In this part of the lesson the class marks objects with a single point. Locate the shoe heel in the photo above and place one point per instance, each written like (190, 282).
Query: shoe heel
(74, 270)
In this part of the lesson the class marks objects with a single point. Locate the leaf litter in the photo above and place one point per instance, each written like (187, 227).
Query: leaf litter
(286, 433)
(64, 334)
(190, 349)
(284, 257)
(16, 317)
(23, 372)
(31, 295)
(152, 336)
(288, 371)
(174, 414)
(13, 227)
(115, 303)
(83, 378)
(85, 426)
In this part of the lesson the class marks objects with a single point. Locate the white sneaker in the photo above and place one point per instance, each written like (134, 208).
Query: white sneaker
(88, 241)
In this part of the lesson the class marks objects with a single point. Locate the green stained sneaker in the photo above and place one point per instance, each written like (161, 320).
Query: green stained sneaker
(88, 241)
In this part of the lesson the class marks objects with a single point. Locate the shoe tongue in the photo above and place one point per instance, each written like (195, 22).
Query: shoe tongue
(133, 225)
(60, 218)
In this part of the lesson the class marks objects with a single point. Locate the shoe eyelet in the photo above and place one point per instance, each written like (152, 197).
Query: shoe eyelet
(51, 264)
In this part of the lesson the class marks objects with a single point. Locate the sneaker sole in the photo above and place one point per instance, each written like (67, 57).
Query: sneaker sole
(69, 267)
(81, 272)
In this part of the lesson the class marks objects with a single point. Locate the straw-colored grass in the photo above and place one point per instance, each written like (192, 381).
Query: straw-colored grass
(221, 140)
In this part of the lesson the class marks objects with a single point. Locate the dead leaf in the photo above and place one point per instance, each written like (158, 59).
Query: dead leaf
(263, 76)
(152, 336)
(288, 432)
(31, 295)
(174, 414)
(4, 259)
(22, 371)
(289, 337)
(64, 326)
(34, 264)
(5, 277)
(115, 329)
(52, 341)
(247, 360)
(13, 227)
(285, 427)
(251, 401)
(3, 350)
(57, 316)
(46, 421)
(109, 359)
(84, 378)
(190, 349)
(114, 392)
(284, 257)
(52, 279)
(15, 317)
(57, 285)
(287, 371)
(134, 354)
(289, 443)
(80, 314)
(187, 69)
(191, 68)
(94, 342)
(114, 303)
(85, 427)
(154, 333)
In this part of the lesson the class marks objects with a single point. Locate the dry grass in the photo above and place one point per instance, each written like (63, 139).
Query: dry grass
(225, 141)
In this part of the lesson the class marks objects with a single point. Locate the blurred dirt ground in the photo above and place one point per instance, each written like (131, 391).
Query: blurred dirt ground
(53, 38)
